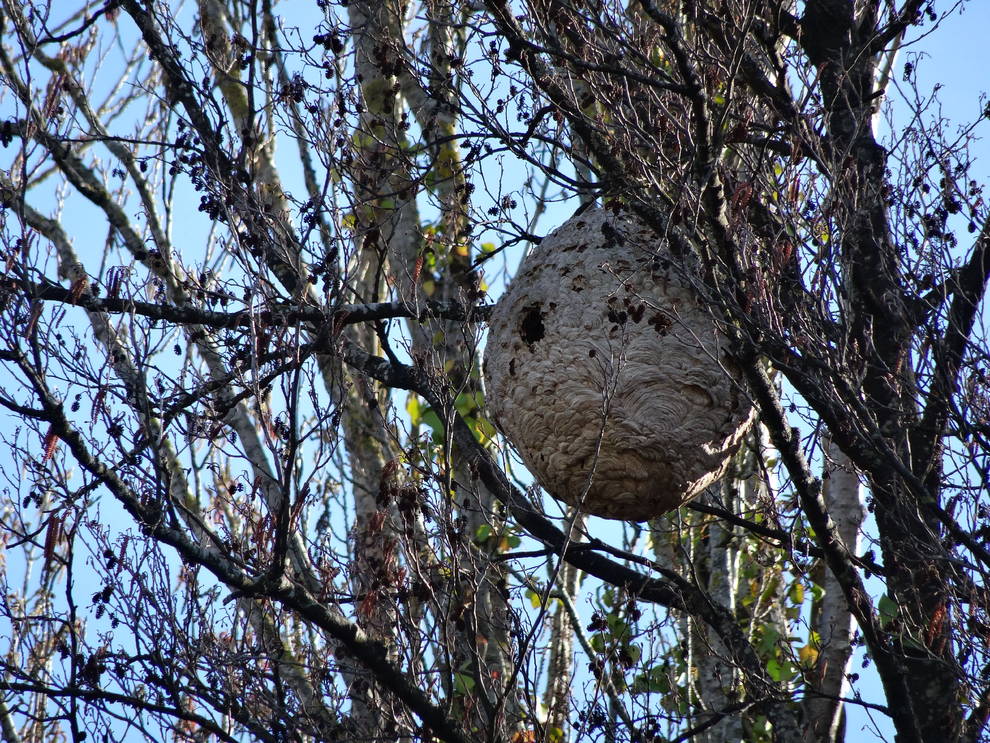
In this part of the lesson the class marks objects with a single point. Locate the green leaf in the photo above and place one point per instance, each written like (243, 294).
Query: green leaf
(653, 681)
(768, 640)
(483, 430)
(888, 609)
(466, 403)
(431, 419)
(817, 592)
(796, 593)
(463, 683)
(482, 534)
(780, 671)
(414, 409)
(598, 643)
(617, 625)
(770, 592)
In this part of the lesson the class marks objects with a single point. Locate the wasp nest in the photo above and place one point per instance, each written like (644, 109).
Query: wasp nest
(607, 374)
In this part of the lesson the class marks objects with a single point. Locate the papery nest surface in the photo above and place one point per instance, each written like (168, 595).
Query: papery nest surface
(608, 375)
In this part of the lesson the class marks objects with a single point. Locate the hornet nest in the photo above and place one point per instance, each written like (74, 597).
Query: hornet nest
(609, 376)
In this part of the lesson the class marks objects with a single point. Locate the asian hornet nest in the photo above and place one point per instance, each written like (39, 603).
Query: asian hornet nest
(609, 376)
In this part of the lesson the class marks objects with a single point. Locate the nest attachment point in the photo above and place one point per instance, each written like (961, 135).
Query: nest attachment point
(608, 376)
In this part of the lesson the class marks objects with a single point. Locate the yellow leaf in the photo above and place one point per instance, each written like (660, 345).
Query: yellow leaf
(808, 656)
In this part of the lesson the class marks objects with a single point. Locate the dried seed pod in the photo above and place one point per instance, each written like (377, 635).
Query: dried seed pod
(607, 374)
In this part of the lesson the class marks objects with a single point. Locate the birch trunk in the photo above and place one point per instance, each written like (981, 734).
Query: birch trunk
(831, 618)
(560, 668)
(721, 557)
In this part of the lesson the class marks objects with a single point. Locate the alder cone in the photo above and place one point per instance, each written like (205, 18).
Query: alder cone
(601, 338)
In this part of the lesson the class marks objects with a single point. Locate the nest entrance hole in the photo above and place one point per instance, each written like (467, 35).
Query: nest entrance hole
(531, 327)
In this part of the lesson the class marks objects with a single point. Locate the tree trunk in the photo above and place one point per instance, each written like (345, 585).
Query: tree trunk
(830, 616)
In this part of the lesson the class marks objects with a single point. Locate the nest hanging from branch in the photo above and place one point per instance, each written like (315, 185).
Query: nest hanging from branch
(608, 376)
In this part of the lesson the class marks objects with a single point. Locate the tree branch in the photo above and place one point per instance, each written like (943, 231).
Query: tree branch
(274, 315)
(368, 651)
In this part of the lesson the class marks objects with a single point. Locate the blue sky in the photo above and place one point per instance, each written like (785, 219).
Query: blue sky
(954, 58)
(953, 62)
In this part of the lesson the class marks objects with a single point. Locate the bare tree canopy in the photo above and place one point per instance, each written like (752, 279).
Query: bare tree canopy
(253, 490)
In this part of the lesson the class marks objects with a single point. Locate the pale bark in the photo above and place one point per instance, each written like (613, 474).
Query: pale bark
(118, 347)
(560, 668)
(718, 681)
(831, 619)
(711, 550)
(380, 171)
(443, 346)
